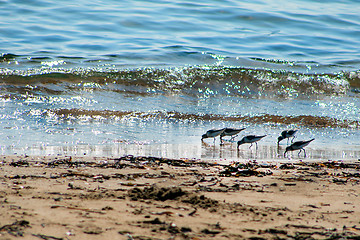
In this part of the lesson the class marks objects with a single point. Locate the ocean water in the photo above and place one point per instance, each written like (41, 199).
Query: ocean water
(109, 78)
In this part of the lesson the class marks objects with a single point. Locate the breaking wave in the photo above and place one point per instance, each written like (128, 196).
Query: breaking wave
(201, 81)
(302, 120)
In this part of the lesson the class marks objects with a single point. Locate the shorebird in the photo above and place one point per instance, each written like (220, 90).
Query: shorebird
(212, 134)
(298, 145)
(231, 132)
(287, 134)
(250, 139)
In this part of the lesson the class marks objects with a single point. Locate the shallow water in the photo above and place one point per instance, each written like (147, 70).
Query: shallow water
(149, 78)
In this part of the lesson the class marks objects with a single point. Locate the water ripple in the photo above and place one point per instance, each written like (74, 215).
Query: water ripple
(299, 31)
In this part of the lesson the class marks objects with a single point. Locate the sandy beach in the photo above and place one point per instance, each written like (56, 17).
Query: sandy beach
(64, 197)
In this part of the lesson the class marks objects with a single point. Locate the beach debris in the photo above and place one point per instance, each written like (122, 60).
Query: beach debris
(185, 229)
(275, 231)
(168, 213)
(16, 229)
(243, 170)
(20, 163)
(193, 212)
(71, 186)
(46, 237)
(154, 221)
(125, 232)
(107, 208)
(160, 194)
(287, 166)
(200, 201)
(210, 232)
(171, 227)
(172, 193)
(90, 228)
(78, 208)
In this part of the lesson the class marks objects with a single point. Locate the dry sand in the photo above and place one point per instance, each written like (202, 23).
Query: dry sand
(56, 197)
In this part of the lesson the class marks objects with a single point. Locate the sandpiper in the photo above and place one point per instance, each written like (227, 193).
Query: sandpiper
(298, 145)
(287, 134)
(231, 132)
(212, 134)
(250, 139)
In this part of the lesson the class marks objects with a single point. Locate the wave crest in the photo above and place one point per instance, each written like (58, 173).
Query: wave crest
(301, 120)
(198, 81)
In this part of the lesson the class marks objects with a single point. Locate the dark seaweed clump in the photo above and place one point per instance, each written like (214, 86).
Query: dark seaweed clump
(172, 193)
(155, 193)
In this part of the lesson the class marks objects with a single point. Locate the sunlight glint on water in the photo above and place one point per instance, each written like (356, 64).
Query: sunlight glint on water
(149, 78)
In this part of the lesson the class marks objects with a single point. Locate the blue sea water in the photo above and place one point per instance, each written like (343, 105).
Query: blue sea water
(152, 33)
(150, 77)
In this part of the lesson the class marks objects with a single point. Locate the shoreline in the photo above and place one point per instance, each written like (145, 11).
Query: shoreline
(73, 197)
(205, 151)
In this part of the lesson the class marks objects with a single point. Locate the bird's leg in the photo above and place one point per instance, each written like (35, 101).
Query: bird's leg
(250, 145)
(256, 146)
(299, 152)
(278, 150)
(292, 140)
(288, 154)
(304, 153)
(221, 141)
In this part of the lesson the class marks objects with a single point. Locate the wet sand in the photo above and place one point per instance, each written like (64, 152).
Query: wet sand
(63, 197)
(205, 150)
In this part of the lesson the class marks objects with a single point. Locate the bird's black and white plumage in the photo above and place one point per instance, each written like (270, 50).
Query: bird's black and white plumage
(298, 146)
(212, 133)
(287, 134)
(250, 139)
(231, 132)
